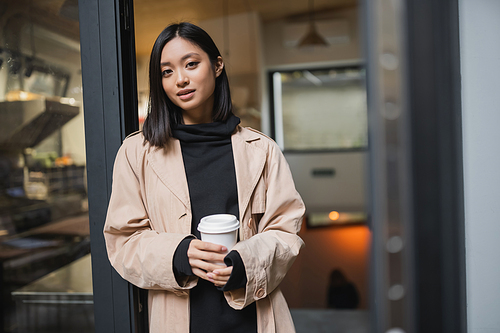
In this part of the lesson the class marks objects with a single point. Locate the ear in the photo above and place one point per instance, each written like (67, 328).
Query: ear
(219, 66)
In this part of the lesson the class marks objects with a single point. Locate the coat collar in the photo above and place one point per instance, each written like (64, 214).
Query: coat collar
(249, 161)
(168, 165)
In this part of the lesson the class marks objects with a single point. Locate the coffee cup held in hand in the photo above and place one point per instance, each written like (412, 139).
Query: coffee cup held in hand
(219, 229)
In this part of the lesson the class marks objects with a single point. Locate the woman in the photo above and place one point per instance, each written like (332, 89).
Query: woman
(192, 159)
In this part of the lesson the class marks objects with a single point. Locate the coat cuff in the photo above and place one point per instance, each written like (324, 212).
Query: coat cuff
(238, 278)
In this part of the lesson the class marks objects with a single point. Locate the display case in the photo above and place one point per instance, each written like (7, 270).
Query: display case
(61, 301)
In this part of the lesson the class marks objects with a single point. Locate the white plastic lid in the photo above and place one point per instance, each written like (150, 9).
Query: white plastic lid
(218, 224)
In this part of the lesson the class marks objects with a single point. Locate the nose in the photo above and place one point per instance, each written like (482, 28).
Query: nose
(182, 79)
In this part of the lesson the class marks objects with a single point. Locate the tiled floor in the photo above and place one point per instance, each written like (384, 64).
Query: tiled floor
(45, 318)
(330, 321)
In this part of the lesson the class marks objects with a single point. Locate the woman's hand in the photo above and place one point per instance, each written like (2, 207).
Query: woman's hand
(220, 276)
(203, 257)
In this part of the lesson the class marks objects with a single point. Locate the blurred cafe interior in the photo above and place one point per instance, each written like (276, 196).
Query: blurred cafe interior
(297, 70)
(45, 273)
(311, 97)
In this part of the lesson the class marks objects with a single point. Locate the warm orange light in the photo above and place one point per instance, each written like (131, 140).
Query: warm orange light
(334, 216)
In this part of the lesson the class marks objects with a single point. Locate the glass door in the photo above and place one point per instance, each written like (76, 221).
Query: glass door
(45, 270)
(322, 98)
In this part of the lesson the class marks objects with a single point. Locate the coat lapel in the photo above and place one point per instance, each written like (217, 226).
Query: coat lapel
(169, 167)
(249, 162)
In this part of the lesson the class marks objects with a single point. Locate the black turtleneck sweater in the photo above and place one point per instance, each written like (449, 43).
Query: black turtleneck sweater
(209, 164)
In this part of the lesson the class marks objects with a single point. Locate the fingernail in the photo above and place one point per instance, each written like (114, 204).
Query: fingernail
(224, 248)
(210, 275)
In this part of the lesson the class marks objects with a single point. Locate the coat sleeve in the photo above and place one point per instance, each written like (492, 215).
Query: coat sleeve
(142, 256)
(269, 254)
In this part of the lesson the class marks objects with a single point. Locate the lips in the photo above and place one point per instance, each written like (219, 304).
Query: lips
(186, 93)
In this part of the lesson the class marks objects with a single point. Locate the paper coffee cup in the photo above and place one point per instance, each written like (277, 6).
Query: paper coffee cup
(219, 229)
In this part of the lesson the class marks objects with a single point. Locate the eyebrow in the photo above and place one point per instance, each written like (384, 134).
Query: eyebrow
(182, 59)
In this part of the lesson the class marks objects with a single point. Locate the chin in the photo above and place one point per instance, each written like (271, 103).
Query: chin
(188, 108)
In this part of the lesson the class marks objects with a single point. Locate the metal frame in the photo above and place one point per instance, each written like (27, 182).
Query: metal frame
(110, 106)
(438, 196)
(390, 169)
(418, 248)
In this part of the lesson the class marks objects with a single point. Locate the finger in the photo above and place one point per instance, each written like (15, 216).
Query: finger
(212, 266)
(204, 265)
(217, 284)
(217, 278)
(200, 273)
(201, 264)
(223, 271)
(206, 256)
(195, 253)
(220, 275)
(207, 246)
(206, 276)
(212, 257)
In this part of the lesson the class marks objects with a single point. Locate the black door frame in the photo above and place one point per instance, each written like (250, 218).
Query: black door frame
(110, 108)
(436, 118)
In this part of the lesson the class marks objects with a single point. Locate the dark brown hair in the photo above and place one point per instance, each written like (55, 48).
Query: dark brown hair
(162, 113)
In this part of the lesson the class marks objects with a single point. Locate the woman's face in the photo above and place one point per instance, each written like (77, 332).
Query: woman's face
(188, 79)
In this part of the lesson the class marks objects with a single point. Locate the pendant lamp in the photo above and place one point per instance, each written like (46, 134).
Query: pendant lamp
(312, 37)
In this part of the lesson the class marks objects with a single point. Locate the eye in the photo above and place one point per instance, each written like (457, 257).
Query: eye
(192, 64)
(166, 72)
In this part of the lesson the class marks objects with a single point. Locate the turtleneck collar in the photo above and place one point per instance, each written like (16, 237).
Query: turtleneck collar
(215, 131)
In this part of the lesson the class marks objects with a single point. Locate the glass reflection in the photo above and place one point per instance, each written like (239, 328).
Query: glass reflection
(44, 228)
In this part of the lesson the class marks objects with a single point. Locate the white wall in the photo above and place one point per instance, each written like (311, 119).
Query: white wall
(480, 59)
(243, 60)
(242, 54)
(342, 23)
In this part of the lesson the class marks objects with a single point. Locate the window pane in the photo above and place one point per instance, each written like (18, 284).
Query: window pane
(44, 227)
(324, 109)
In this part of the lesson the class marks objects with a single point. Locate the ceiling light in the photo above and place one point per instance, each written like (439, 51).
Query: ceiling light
(312, 37)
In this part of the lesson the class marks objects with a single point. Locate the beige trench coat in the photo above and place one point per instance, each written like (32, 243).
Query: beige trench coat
(149, 214)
